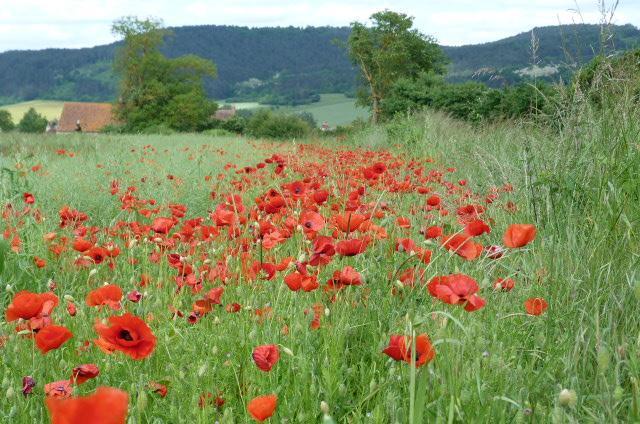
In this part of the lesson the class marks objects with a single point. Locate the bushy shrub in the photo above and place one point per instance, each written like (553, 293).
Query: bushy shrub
(267, 124)
(32, 122)
(6, 122)
(158, 129)
(471, 101)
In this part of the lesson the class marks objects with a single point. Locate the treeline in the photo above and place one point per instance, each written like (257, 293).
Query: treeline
(293, 65)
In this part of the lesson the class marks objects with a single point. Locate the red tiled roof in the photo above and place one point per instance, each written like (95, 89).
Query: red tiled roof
(92, 116)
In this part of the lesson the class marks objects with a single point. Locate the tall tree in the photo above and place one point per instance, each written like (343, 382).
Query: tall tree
(388, 50)
(156, 90)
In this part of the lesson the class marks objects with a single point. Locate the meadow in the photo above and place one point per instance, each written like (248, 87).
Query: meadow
(309, 271)
(335, 108)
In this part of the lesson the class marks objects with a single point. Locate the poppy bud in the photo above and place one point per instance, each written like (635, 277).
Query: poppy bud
(69, 298)
(324, 407)
(9, 288)
(202, 370)
(567, 398)
(141, 403)
(93, 271)
(10, 392)
(287, 351)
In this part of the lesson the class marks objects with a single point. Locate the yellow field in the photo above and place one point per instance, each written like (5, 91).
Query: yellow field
(51, 109)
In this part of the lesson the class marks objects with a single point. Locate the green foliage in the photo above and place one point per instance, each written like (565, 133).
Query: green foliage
(389, 50)
(308, 118)
(6, 121)
(32, 122)
(267, 124)
(156, 91)
(600, 79)
(471, 101)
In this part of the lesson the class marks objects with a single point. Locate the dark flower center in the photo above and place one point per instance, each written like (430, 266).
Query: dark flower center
(125, 335)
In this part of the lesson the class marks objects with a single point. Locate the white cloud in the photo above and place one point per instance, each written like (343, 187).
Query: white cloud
(33, 24)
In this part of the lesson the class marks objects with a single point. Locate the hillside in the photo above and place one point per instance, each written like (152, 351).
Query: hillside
(290, 65)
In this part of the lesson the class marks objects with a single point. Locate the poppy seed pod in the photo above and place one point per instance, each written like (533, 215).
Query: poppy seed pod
(567, 398)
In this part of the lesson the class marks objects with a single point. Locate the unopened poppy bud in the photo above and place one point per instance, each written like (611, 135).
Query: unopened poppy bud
(132, 243)
(327, 419)
(399, 284)
(299, 227)
(567, 397)
(326, 312)
(93, 272)
(324, 407)
(157, 240)
(302, 257)
(69, 298)
(10, 392)
(252, 334)
(216, 320)
(202, 370)
(206, 261)
(141, 403)
(9, 288)
(23, 332)
(287, 351)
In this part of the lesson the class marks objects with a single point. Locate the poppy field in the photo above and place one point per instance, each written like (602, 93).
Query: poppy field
(187, 278)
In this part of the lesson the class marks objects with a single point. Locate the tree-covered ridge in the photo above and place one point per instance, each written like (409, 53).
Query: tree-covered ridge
(289, 65)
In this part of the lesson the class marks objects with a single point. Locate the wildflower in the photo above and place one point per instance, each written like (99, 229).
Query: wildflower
(535, 306)
(128, 334)
(52, 337)
(399, 349)
(519, 235)
(262, 407)
(266, 356)
(106, 406)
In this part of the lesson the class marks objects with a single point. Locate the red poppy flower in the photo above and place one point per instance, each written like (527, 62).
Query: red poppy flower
(27, 305)
(109, 295)
(352, 247)
(58, 389)
(82, 245)
(266, 356)
(97, 254)
(28, 198)
(519, 235)
(457, 289)
(128, 334)
(106, 406)
(40, 263)
(162, 225)
(262, 407)
(323, 251)
(463, 246)
(399, 349)
(433, 232)
(296, 281)
(311, 221)
(349, 222)
(52, 337)
(476, 228)
(504, 284)
(85, 372)
(535, 306)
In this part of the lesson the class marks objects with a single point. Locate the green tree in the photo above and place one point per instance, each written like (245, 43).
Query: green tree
(32, 122)
(6, 123)
(389, 50)
(156, 90)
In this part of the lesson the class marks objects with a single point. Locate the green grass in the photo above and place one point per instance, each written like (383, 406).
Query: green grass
(50, 109)
(579, 185)
(336, 109)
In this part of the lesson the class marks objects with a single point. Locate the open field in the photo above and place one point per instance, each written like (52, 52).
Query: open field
(336, 109)
(50, 109)
(320, 251)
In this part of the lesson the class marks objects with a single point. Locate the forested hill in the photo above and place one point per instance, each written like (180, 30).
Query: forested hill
(291, 65)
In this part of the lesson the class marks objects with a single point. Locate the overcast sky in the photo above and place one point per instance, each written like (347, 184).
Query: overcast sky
(37, 24)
